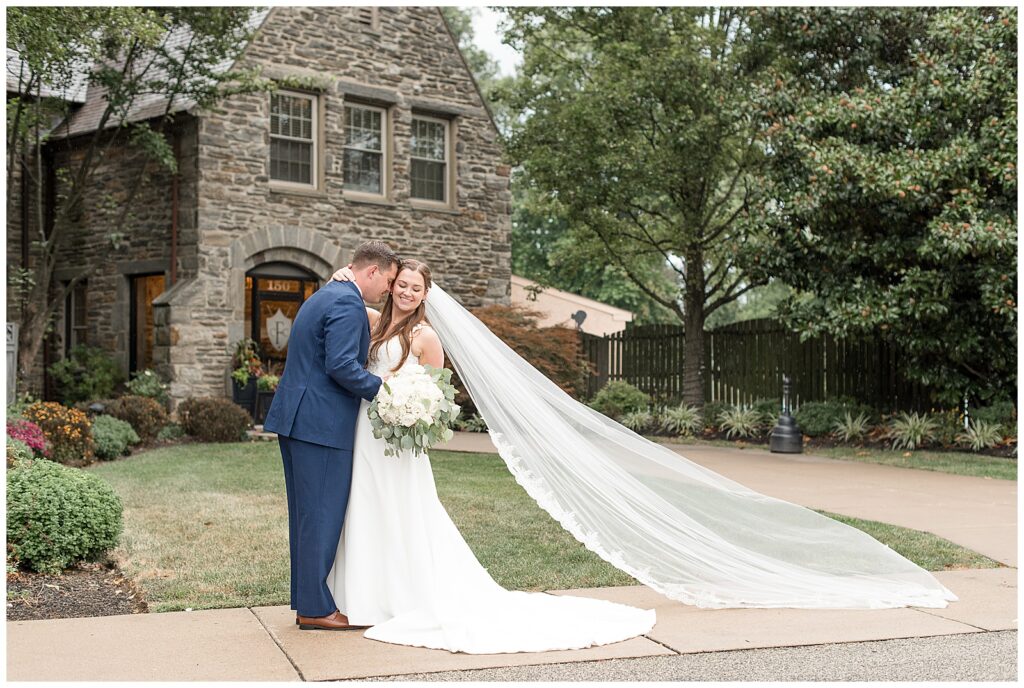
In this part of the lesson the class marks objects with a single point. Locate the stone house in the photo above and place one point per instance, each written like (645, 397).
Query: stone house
(387, 138)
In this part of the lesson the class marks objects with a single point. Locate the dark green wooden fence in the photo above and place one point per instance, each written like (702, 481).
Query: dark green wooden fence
(745, 361)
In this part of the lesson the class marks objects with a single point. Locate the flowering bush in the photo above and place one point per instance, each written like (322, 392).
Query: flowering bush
(267, 382)
(31, 434)
(246, 361)
(414, 409)
(67, 430)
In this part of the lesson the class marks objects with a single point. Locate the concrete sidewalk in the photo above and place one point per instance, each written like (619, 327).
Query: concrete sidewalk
(263, 643)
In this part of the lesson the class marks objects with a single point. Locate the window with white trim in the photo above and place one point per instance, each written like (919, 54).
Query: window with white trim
(365, 139)
(430, 150)
(293, 138)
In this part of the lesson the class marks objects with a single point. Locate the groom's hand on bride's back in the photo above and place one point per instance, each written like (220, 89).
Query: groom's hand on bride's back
(344, 274)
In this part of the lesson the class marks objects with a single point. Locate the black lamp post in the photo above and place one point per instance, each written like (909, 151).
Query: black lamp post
(786, 437)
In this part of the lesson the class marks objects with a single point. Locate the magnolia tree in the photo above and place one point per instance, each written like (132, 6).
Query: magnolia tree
(892, 172)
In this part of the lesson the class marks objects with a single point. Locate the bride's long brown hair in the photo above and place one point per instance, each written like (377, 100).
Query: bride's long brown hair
(382, 331)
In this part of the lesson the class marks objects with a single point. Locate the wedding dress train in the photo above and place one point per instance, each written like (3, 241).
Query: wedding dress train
(403, 568)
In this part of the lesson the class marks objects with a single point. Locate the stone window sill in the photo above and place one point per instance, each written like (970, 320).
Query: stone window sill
(369, 199)
(434, 208)
(297, 191)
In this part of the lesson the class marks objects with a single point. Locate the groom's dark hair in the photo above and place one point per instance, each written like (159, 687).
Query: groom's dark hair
(375, 253)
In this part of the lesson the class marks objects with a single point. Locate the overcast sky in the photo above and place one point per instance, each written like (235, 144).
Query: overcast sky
(488, 37)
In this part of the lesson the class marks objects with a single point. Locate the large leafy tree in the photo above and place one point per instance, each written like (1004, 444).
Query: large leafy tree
(893, 136)
(547, 249)
(130, 54)
(637, 125)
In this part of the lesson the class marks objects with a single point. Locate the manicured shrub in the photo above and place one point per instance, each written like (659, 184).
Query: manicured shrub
(740, 422)
(554, 351)
(911, 430)
(817, 418)
(67, 432)
(713, 411)
(769, 410)
(57, 516)
(213, 420)
(146, 383)
(1003, 413)
(18, 451)
(682, 420)
(949, 426)
(146, 416)
(86, 373)
(113, 437)
(618, 398)
(29, 434)
(170, 432)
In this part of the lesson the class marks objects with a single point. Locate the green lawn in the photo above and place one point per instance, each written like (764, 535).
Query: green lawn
(957, 463)
(206, 527)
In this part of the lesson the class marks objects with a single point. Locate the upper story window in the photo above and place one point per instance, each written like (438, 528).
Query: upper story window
(293, 138)
(365, 140)
(430, 158)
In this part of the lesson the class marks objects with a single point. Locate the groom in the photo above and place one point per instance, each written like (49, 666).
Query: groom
(314, 415)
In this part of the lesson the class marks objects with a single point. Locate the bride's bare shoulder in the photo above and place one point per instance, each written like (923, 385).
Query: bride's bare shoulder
(423, 330)
(373, 314)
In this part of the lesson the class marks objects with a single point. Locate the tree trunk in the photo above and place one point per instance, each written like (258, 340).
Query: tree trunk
(693, 322)
(32, 330)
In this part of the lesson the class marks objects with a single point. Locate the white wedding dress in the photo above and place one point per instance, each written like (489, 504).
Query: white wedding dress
(403, 568)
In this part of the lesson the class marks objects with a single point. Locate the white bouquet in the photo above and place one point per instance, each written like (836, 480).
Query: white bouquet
(414, 409)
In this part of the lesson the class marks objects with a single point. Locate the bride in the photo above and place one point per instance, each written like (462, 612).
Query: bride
(403, 568)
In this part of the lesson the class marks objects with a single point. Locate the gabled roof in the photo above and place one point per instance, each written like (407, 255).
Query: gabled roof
(18, 75)
(87, 118)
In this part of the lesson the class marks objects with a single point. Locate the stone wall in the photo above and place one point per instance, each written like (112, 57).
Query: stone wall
(129, 192)
(231, 220)
(408, 61)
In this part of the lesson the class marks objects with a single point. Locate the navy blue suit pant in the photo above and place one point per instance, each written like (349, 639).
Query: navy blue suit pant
(317, 480)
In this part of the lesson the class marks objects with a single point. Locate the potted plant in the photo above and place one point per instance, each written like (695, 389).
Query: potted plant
(266, 385)
(247, 370)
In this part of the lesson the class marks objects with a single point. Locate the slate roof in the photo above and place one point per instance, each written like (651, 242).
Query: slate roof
(17, 74)
(87, 118)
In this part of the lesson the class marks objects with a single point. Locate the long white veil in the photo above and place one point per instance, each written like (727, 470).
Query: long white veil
(675, 526)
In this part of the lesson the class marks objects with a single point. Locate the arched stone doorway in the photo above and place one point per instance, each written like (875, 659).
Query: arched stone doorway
(274, 291)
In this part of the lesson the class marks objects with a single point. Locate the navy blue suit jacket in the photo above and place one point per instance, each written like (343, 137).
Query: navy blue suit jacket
(317, 399)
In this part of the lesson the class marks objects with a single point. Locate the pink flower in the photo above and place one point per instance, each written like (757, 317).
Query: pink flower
(29, 433)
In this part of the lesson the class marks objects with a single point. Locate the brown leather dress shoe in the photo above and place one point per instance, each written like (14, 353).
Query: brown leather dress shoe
(335, 621)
